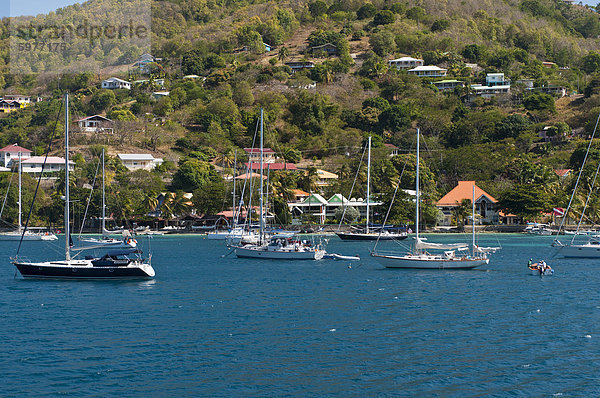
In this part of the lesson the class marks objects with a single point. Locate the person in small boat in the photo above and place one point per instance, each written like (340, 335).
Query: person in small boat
(530, 262)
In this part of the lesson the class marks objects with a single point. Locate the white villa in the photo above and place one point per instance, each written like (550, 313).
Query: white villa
(10, 153)
(325, 178)
(495, 84)
(317, 205)
(428, 71)
(496, 79)
(143, 63)
(21, 99)
(160, 94)
(95, 124)
(269, 155)
(405, 63)
(443, 85)
(139, 161)
(53, 163)
(114, 83)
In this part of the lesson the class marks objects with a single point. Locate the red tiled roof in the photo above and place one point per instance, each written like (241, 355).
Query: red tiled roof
(274, 166)
(299, 192)
(246, 176)
(562, 172)
(257, 150)
(229, 213)
(14, 148)
(464, 190)
(391, 146)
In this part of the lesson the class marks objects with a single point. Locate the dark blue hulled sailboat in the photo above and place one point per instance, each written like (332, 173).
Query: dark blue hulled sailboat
(122, 264)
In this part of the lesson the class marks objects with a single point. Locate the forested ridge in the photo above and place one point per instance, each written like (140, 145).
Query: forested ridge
(219, 73)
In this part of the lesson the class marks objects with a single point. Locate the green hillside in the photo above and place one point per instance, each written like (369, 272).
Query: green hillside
(218, 72)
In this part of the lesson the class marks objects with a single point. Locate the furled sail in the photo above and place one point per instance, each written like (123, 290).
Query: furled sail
(421, 244)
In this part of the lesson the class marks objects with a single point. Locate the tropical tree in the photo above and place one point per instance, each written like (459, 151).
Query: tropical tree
(150, 202)
(525, 200)
(284, 52)
(462, 211)
(180, 204)
(210, 199)
(308, 181)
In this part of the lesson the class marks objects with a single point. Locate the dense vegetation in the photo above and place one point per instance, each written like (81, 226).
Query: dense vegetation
(206, 118)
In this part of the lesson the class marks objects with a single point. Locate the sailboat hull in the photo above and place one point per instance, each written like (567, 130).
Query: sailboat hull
(589, 250)
(370, 236)
(110, 243)
(429, 262)
(82, 269)
(27, 236)
(264, 252)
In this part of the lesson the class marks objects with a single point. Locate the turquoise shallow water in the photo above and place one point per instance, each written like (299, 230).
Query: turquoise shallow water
(226, 327)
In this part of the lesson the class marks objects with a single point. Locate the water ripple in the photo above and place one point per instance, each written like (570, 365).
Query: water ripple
(212, 326)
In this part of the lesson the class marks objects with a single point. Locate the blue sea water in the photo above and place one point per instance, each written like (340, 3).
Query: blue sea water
(216, 326)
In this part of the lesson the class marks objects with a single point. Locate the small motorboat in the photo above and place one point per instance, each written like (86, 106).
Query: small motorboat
(335, 256)
(540, 268)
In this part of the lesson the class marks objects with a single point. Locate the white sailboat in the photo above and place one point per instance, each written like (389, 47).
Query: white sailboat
(275, 248)
(369, 234)
(121, 264)
(419, 257)
(235, 234)
(127, 241)
(28, 235)
(591, 248)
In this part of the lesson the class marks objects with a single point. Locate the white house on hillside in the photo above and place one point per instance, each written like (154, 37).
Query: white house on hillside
(428, 71)
(53, 163)
(139, 161)
(95, 124)
(496, 79)
(495, 84)
(10, 153)
(115, 82)
(269, 155)
(405, 63)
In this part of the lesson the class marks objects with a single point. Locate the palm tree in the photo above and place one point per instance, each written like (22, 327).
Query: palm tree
(328, 78)
(225, 160)
(280, 188)
(462, 211)
(150, 202)
(284, 52)
(308, 181)
(166, 208)
(180, 204)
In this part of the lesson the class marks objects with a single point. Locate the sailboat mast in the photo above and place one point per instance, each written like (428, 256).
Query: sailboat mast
(67, 230)
(20, 208)
(417, 189)
(233, 219)
(368, 183)
(261, 178)
(473, 219)
(103, 202)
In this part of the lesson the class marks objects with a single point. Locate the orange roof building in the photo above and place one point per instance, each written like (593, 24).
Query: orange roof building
(485, 204)
(561, 172)
(464, 190)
